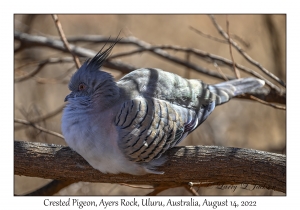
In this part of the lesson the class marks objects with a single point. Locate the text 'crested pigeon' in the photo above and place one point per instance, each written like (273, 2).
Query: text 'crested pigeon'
(126, 126)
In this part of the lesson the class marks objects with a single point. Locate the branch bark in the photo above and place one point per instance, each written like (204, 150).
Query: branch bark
(210, 165)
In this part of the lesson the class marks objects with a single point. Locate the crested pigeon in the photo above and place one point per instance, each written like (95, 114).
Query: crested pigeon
(126, 126)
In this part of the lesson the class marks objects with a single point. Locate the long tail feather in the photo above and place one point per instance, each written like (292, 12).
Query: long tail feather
(226, 90)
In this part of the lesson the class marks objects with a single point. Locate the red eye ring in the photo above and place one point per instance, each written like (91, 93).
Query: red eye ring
(81, 87)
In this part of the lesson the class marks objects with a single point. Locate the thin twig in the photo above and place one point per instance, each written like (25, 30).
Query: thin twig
(45, 117)
(31, 74)
(220, 40)
(208, 36)
(40, 66)
(191, 190)
(26, 64)
(135, 186)
(65, 41)
(245, 43)
(244, 54)
(202, 184)
(220, 71)
(261, 101)
(187, 71)
(165, 55)
(267, 103)
(48, 61)
(39, 127)
(237, 73)
(274, 39)
(58, 79)
(42, 80)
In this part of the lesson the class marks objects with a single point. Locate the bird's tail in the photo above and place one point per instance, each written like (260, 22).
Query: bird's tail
(226, 90)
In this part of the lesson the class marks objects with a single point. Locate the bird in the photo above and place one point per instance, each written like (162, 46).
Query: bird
(127, 126)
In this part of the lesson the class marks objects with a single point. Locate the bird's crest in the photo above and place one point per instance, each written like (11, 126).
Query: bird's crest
(97, 61)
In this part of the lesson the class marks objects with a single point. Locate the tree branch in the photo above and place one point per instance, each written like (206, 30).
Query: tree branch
(210, 165)
(25, 122)
(158, 50)
(35, 41)
(275, 94)
(64, 39)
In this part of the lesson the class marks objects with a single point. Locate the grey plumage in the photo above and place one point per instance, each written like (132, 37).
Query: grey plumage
(127, 126)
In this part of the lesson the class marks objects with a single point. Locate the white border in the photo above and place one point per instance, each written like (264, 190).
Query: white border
(7, 11)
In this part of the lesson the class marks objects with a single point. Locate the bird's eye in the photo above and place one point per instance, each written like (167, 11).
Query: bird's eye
(81, 87)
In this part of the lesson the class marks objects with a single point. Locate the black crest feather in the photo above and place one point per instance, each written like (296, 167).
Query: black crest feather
(97, 61)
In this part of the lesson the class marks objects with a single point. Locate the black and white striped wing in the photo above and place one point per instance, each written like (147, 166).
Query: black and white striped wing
(148, 127)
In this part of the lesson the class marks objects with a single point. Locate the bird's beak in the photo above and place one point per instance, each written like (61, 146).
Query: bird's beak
(69, 96)
(66, 98)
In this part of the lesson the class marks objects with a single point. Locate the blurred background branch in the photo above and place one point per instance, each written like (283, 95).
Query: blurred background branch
(38, 41)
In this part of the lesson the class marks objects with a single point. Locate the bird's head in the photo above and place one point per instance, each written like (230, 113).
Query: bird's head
(90, 81)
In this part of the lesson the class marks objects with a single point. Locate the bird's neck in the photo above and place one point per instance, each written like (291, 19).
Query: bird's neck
(106, 95)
